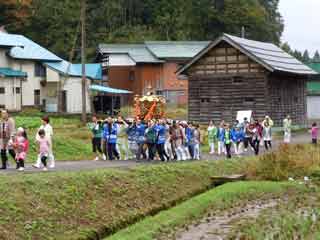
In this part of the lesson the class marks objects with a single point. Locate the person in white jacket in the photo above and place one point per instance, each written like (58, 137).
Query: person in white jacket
(49, 135)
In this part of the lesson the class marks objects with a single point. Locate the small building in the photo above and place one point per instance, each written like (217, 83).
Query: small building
(150, 66)
(313, 98)
(32, 76)
(234, 74)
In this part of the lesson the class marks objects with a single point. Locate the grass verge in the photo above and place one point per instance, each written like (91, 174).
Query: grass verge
(219, 198)
(88, 205)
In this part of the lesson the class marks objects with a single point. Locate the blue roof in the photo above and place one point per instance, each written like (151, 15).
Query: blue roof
(24, 48)
(9, 72)
(105, 89)
(93, 70)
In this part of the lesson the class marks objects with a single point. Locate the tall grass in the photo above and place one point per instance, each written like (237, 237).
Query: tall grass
(288, 161)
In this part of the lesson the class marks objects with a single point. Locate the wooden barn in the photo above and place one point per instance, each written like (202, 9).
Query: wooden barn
(234, 74)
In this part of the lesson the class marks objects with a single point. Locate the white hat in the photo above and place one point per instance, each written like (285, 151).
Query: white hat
(20, 129)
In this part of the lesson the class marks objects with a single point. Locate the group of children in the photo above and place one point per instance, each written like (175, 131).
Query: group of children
(16, 144)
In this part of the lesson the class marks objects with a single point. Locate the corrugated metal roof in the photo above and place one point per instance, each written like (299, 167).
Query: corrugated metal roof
(9, 72)
(268, 55)
(93, 70)
(105, 89)
(176, 49)
(138, 52)
(272, 55)
(24, 48)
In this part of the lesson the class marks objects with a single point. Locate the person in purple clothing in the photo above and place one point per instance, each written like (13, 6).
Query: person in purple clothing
(314, 133)
(161, 132)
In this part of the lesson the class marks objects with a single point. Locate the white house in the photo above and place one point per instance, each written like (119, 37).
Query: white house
(31, 75)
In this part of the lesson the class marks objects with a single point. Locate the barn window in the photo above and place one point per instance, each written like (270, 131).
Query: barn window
(2, 90)
(248, 100)
(237, 80)
(295, 99)
(205, 100)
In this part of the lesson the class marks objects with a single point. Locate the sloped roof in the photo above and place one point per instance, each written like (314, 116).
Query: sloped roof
(138, 52)
(9, 72)
(110, 90)
(93, 70)
(268, 55)
(24, 48)
(176, 49)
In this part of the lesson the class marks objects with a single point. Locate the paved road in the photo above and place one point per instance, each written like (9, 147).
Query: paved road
(92, 165)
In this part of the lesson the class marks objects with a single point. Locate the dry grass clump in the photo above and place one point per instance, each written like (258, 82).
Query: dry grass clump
(289, 161)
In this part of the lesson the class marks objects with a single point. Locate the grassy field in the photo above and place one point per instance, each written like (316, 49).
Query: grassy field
(220, 198)
(83, 205)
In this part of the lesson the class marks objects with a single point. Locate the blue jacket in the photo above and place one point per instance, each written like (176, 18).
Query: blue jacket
(189, 135)
(140, 131)
(237, 136)
(220, 134)
(132, 133)
(161, 133)
(110, 134)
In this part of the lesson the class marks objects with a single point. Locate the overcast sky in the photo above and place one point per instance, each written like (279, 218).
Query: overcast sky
(302, 23)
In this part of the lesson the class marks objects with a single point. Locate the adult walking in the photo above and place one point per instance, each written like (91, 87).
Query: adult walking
(49, 136)
(7, 129)
(110, 132)
(96, 128)
(161, 131)
(287, 125)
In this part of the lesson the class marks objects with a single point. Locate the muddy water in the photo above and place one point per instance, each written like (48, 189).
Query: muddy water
(218, 227)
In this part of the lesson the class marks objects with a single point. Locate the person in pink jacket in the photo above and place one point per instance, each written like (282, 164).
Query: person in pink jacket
(21, 146)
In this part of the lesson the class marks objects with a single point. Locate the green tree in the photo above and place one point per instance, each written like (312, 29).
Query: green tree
(286, 47)
(298, 55)
(316, 57)
(306, 57)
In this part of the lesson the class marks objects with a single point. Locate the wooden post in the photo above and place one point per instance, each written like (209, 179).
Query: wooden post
(83, 60)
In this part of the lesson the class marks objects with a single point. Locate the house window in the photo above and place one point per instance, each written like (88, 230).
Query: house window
(295, 99)
(131, 75)
(16, 90)
(37, 97)
(2, 90)
(159, 92)
(39, 70)
(248, 100)
(237, 80)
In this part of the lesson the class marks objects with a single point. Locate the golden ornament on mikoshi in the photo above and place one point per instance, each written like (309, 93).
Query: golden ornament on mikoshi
(149, 106)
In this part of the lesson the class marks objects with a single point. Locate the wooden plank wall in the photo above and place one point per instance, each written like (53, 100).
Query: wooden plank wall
(287, 95)
(223, 82)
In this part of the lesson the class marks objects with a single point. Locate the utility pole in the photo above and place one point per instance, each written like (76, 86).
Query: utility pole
(83, 61)
(243, 32)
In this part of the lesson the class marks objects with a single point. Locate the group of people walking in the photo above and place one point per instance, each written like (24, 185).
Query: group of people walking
(166, 140)
(14, 143)
(240, 136)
